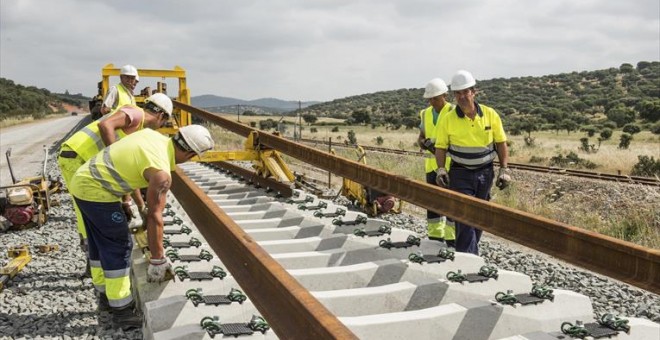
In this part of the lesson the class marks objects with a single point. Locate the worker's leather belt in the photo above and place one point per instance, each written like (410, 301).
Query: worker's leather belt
(68, 154)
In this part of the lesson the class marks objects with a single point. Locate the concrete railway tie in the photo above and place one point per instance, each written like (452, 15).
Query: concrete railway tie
(378, 293)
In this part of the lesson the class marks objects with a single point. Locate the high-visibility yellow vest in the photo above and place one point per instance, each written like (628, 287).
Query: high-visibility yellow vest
(87, 141)
(470, 143)
(119, 168)
(124, 97)
(430, 131)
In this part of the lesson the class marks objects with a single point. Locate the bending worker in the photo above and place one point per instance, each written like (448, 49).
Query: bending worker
(122, 93)
(142, 160)
(439, 228)
(91, 139)
(471, 134)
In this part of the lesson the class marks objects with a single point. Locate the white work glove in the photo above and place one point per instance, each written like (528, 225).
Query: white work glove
(143, 214)
(442, 178)
(159, 270)
(503, 178)
(126, 207)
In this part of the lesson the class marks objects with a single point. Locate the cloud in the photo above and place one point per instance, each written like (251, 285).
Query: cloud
(318, 50)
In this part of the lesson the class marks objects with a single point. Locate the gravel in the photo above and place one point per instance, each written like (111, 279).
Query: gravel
(50, 299)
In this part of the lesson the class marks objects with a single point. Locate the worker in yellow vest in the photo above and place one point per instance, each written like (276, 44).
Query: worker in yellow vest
(439, 227)
(143, 159)
(122, 93)
(472, 134)
(91, 139)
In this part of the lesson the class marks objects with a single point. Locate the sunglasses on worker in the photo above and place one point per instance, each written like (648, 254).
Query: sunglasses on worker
(156, 109)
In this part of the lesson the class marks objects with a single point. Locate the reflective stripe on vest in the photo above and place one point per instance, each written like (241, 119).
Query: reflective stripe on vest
(110, 167)
(472, 157)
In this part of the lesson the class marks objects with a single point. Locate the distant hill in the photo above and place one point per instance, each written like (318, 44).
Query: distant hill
(19, 100)
(620, 95)
(271, 105)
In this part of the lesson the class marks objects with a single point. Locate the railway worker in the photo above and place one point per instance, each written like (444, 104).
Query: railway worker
(439, 227)
(471, 134)
(122, 93)
(143, 159)
(89, 141)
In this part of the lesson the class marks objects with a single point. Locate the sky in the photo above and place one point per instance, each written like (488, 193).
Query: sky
(318, 49)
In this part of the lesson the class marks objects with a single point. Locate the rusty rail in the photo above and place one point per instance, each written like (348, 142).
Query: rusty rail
(606, 255)
(285, 303)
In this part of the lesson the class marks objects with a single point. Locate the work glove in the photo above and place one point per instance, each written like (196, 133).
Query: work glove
(143, 214)
(503, 178)
(159, 270)
(442, 178)
(126, 207)
(428, 144)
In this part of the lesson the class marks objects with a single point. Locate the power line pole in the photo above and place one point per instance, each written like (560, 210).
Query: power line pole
(238, 112)
(299, 120)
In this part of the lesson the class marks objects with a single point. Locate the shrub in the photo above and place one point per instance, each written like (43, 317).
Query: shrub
(646, 166)
(571, 160)
(335, 129)
(606, 134)
(655, 128)
(351, 137)
(537, 159)
(586, 147)
(625, 140)
(379, 140)
(313, 130)
(632, 129)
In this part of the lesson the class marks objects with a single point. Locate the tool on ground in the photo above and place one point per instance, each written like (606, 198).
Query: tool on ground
(20, 256)
(26, 202)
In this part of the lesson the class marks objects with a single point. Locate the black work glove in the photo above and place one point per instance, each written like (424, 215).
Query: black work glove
(428, 144)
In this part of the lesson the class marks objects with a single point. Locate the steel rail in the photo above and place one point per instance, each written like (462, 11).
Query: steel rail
(606, 255)
(290, 308)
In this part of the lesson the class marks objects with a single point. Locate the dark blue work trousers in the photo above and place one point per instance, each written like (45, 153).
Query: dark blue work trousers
(475, 183)
(107, 233)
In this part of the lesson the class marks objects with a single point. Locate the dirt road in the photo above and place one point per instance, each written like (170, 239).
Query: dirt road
(27, 142)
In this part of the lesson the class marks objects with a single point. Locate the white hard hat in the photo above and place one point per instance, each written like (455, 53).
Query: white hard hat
(197, 138)
(435, 87)
(128, 70)
(162, 101)
(462, 80)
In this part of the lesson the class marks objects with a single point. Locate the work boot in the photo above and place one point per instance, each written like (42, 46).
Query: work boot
(126, 318)
(102, 303)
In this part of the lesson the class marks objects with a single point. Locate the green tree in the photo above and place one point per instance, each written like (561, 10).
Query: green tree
(309, 118)
(621, 115)
(361, 117)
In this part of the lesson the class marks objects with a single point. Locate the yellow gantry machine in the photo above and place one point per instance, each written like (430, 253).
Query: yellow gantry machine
(265, 161)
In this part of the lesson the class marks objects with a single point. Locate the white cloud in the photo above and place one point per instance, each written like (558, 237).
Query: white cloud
(319, 50)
